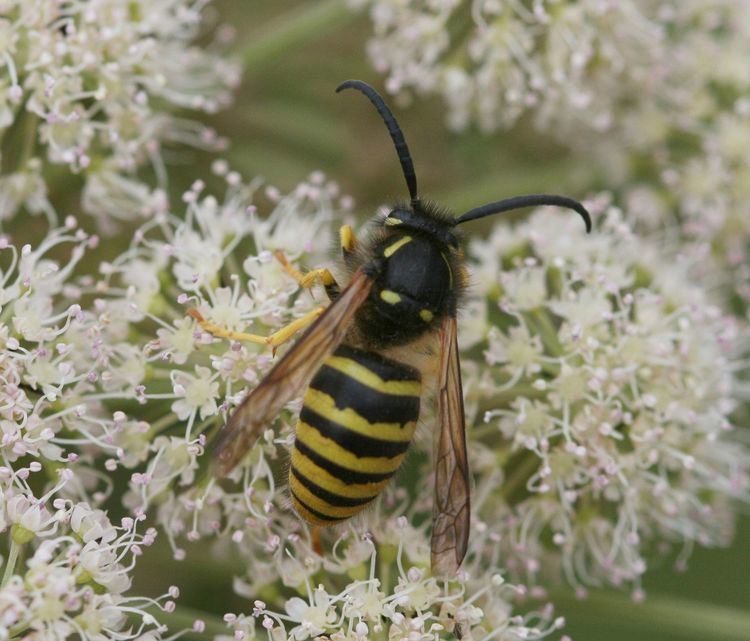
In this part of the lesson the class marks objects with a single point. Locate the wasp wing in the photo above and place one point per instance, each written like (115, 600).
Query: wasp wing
(290, 375)
(451, 511)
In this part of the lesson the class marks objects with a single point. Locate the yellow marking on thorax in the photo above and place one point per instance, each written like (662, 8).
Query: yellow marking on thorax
(361, 374)
(426, 315)
(450, 271)
(347, 238)
(393, 221)
(319, 505)
(323, 404)
(390, 297)
(392, 249)
(321, 477)
(334, 452)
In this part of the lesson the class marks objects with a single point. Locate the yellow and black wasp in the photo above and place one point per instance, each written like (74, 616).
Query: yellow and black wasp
(363, 360)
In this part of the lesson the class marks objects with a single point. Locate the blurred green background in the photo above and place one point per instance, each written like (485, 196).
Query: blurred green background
(286, 122)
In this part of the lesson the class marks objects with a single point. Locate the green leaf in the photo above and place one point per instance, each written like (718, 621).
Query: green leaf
(657, 617)
(295, 28)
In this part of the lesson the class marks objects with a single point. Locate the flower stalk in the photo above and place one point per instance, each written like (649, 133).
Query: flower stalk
(10, 563)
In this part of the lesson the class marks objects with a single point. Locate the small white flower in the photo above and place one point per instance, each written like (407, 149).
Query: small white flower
(178, 341)
(28, 519)
(314, 618)
(196, 393)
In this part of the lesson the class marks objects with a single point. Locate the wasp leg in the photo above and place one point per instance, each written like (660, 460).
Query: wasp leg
(306, 281)
(317, 544)
(288, 331)
(279, 337)
(348, 239)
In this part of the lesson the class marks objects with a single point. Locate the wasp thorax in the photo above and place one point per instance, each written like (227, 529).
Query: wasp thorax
(413, 289)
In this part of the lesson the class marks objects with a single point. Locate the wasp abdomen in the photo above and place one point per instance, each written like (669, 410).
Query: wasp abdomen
(357, 420)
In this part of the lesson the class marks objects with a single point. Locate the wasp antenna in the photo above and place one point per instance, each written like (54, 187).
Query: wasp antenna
(402, 149)
(518, 202)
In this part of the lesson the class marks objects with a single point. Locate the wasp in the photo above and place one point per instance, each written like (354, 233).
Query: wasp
(362, 364)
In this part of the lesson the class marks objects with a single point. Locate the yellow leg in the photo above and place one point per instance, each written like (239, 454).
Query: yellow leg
(274, 340)
(323, 275)
(348, 239)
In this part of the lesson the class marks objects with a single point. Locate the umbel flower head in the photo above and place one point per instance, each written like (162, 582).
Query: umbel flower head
(491, 61)
(74, 581)
(598, 378)
(598, 384)
(632, 85)
(372, 591)
(219, 258)
(90, 85)
(679, 156)
(68, 569)
(606, 390)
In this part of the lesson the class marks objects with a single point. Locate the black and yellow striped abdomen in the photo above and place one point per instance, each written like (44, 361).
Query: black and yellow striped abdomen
(357, 420)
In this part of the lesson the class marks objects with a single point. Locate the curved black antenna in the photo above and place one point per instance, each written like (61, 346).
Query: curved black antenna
(525, 201)
(402, 148)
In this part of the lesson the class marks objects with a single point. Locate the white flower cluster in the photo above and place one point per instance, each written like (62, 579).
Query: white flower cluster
(632, 84)
(606, 382)
(606, 385)
(682, 153)
(74, 582)
(567, 61)
(369, 591)
(219, 259)
(68, 568)
(89, 84)
(608, 392)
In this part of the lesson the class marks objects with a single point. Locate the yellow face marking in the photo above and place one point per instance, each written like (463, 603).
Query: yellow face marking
(334, 452)
(367, 377)
(335, 485)
(347, 238)
(450, 271)
(319, 505)
(393, 221)
(390, 297)
(426, 315)
(324, 405)
(392, 249)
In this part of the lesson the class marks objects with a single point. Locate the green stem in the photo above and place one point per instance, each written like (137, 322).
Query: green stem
(10, 564)
(183, 618)
(504, 398)
(29, 140)
(164, 423)
(293, 29)
(546, 330)
(515, 483)
(669, 615)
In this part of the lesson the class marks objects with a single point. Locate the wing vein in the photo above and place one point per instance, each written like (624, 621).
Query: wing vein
(451, 511)
(290, 375)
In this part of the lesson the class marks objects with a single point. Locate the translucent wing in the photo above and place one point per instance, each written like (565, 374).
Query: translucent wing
(451, 511)
(290, 375)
